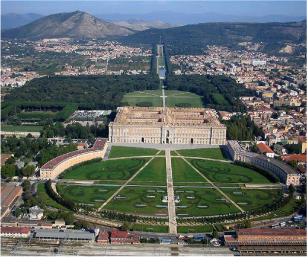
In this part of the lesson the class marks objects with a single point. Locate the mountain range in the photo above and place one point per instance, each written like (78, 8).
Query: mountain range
(75, 24)
(184, 19)
(14, 20)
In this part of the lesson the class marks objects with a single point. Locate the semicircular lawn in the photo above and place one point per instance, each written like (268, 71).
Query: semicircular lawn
(222, 172)
(124, 151)
(89, 195)
(107, 170)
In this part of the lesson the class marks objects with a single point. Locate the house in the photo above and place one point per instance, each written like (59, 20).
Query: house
(15, 232)
(59, 223)
(124, 237)
(279, 149)
(103, 237)
(302, 142)
(36, 213)
(265, 150)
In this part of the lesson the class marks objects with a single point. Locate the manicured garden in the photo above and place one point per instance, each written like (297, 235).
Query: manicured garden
(227, 173)
(150, 228)
(46, 199)
(140, 200)
(89, 195)
(151, 96)
(122, 151)
(183, 172)
(194, 229)
(107, 170)
(212, 153)
(155, 171)
(22, 128)
(177, 98)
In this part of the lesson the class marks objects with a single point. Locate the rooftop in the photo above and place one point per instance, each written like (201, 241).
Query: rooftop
(15, 230)
(272, 232)
(264, 148)
(67, 234)
(98, 145)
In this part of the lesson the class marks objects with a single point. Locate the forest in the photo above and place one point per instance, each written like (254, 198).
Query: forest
(218, 92)
(103, 92)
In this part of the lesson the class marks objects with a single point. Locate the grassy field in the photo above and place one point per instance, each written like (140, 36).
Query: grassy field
(108, 170)
(182, 172)
(202, 202)
(47, 199)
(212, 153)
(151, 96)
(155, 171)
(175, 97)
(227, 172)
(249, 199)
(194, 229)
(141, 200)
(90, 195)
(22, 128)
(122, 151)
(150, 228)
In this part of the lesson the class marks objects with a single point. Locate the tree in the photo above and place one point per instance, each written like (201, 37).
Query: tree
(293, 164)
(125, 226)
(292, 189)
(8, 171)
(17, 212)
(69, 218)
(28, 171)
(215, 234)
(82, 224)
(10, 160)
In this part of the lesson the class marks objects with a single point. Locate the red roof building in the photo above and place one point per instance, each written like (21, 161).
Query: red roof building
(265, 150)
(295, 157)
(103, 237)
(124, 237)
(15, 232)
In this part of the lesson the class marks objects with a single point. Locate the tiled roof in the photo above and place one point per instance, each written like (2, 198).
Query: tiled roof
(15, 230)
(264, 148)
(272, 232)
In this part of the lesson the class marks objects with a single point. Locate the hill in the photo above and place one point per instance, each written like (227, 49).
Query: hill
(193, 39)
(14, 20)
(75, 24)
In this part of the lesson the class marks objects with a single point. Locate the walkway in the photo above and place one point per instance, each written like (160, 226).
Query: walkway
(183, 158)
(170, 194)
(126, 183)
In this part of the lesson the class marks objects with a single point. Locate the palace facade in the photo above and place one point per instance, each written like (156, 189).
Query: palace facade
(157, 125)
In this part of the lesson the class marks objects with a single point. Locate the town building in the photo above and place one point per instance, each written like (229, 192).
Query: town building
(73, 235)
(103, 237)
(302, 142)
(15, 232)
(124, 237)
(56, 166)
(157, 125)
(285, 173)
(9, 195)
(256, 236)
(265, 150)
(36, 213)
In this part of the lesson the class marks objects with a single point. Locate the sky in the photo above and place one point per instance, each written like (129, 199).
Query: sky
(242, 8)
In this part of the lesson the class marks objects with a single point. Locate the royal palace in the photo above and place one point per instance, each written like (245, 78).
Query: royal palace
(157, 125)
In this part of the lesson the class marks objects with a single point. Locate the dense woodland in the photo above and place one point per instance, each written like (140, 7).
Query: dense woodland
(103, 92)
(218, 92)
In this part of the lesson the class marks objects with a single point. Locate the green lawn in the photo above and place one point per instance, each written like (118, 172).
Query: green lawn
(212, 153)
(90, 195)
(151, 96)
(22, 128)
(46, 199)
(108, 170)
(249, 199)
(227, 172)
(139, 200)
(162, 152)
(150, 228)
(175, 97)
(155, 171)
(122, 151)
(202, 202)
(182, 172)
(194, 229)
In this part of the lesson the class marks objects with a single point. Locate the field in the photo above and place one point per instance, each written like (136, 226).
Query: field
(141, 200)
(107, 170)
(150, 228)
(121, 151)
(202, 201)
(194, 229)
(212, 153)
(22, 128)
(227, 173)
(88, 195)
(249, 199)
(175, 98)
(151, 96)
(155, 171)
(183, 172)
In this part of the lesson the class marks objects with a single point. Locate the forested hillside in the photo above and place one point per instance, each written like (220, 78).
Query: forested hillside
(193, 39)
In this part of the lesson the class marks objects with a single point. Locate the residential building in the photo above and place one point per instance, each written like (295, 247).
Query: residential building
(103, 237)
(265, 150)
(124, 237)
(15, 232)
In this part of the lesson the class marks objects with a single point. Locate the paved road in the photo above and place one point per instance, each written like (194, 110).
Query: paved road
(128, 181)
(170, 194)
(183, 158)
(163, 97)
